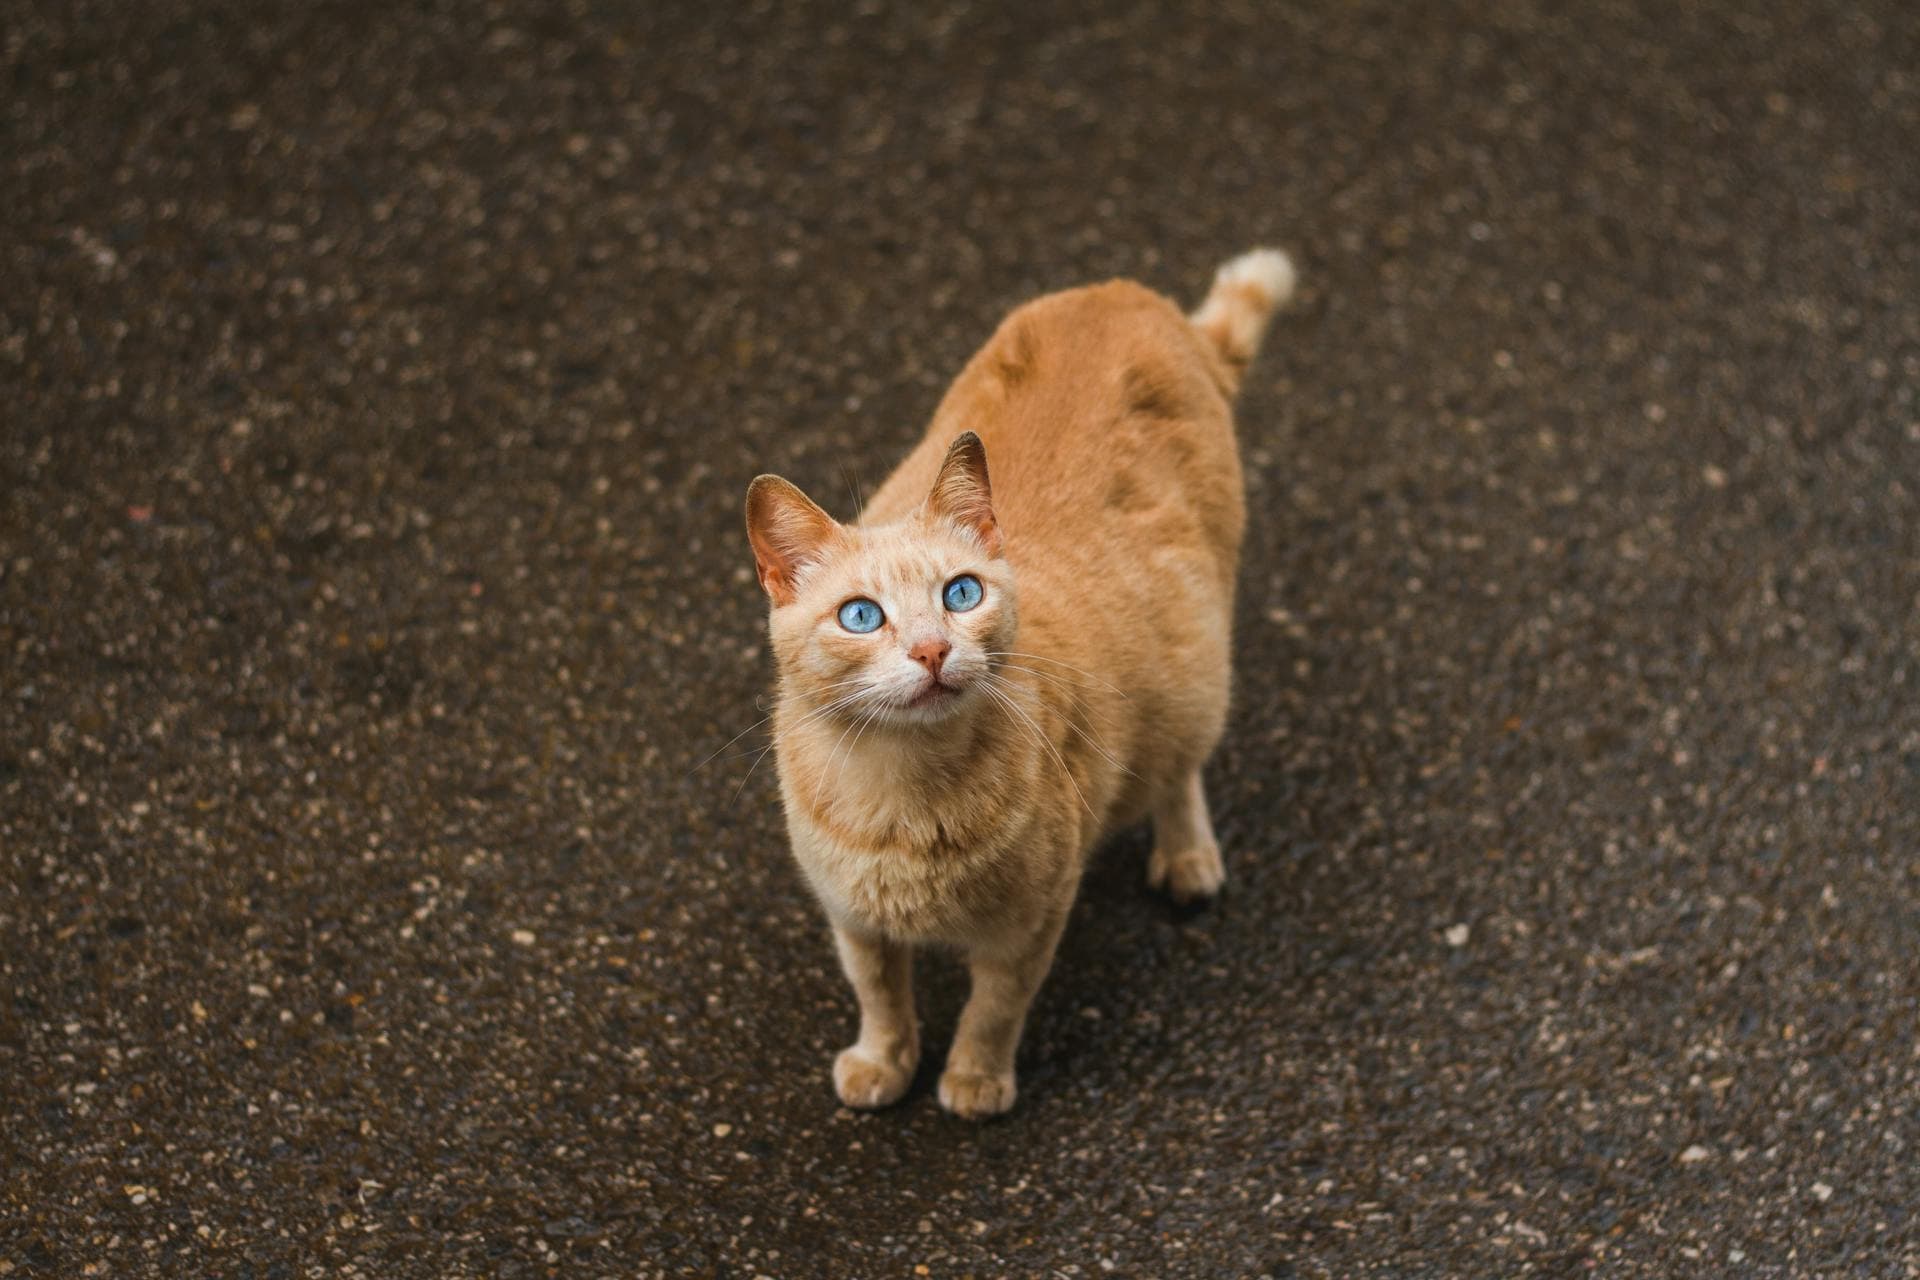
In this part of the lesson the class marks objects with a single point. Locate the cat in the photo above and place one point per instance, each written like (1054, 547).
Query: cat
(997, 666)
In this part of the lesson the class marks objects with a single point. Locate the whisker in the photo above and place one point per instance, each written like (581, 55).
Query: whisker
(838, 684)
(1084, 731)
(1041, 738)
(1072, 686)
(820, 712)
(1041, 657)
(865, 722)
(1086, 734)
(729, 742)
(853, 484)
(836, 751)
(815, 714)
(843, 684)
(761, 754)
(758, 757)
(750, 751)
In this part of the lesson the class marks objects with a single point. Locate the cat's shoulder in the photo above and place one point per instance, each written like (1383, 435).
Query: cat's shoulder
(1109, 302)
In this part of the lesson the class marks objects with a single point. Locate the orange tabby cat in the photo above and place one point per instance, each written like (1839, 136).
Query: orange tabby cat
(982, 678)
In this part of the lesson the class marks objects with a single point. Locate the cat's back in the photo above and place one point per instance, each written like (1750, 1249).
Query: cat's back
(1106, 424)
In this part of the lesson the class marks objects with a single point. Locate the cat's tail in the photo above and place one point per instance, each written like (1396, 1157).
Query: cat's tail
(1245, 293)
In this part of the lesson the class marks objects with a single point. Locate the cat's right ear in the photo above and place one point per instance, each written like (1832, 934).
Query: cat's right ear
(788, 532)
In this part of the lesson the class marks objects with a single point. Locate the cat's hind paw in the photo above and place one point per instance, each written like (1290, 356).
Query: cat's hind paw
(1189, 876)
(975, 1096)
(865, 1082)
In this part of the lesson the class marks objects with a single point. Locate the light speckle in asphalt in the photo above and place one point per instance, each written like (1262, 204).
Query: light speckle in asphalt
(380, 385)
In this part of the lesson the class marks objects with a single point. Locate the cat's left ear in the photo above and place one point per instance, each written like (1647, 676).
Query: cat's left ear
(788, 532)
(961, 492)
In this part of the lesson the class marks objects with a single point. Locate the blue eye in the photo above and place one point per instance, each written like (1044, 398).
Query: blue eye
(963, 593)
(861, 616)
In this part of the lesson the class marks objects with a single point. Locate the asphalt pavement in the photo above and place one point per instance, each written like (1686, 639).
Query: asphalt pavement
(379, 385)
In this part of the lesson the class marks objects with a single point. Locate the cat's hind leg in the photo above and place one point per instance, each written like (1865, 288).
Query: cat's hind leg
(1186, 857)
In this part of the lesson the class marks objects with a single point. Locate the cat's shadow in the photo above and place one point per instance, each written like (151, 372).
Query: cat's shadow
(1128, 953)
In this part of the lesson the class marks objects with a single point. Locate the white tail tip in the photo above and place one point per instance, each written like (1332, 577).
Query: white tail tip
(1268, 270)
(1244, 294)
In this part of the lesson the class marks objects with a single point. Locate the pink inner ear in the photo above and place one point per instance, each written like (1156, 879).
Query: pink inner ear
(979, 519)
(773, 582)
(787, 532)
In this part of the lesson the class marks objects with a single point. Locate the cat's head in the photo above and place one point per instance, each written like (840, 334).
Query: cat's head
(896, 620)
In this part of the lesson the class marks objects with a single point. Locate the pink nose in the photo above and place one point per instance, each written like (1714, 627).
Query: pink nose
(930, 654)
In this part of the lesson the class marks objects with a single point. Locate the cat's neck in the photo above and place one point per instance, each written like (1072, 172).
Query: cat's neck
(875, 775)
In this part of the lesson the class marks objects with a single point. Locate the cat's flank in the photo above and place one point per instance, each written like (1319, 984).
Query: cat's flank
(982, 677)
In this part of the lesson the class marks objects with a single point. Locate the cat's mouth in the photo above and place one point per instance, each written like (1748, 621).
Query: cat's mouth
(935, 692)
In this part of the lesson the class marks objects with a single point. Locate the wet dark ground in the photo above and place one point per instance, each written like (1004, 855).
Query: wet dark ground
(380, 388)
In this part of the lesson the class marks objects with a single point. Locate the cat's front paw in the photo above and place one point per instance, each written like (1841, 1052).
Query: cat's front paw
(976, 1096)
(865, 1081)
(1191, 875)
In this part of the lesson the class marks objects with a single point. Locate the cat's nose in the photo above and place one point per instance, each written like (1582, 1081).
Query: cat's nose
(930, 654)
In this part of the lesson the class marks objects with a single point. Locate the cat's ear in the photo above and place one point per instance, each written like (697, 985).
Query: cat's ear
(788, 532)
(961, 492)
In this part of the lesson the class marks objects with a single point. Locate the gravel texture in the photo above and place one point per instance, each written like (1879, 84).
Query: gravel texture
(379, 388)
